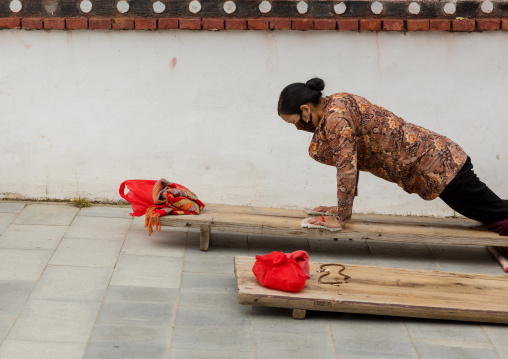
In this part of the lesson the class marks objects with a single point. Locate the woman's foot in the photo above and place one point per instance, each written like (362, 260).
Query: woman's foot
(325, 209)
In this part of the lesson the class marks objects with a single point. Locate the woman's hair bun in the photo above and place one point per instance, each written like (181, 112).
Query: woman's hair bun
(316, 84)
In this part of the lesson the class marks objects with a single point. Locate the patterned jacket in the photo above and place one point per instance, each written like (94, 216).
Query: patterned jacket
(355, 135)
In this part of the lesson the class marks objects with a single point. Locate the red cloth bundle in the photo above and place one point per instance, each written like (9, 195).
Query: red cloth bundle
(277, 271)
(302, 258)
(158, 198)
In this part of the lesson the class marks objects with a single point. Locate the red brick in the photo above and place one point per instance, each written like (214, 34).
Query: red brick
(302, 24)
(325, 24)
(488, 24)
(213, 24)
(349, 24)
(504, 24)
(440, 25)
(418, 25)
(122, 23)
(54, 23)
(190, 24)
(31, 23)
(99, 24)
(463, 25)
(77, 23)
(145, 24)
(370, 25)
(236, 24)
(280, 24)
(10, 22)
(257, 24)
(168, 23)
(393, 25)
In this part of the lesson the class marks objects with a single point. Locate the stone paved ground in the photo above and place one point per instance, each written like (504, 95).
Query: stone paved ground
(90, 284)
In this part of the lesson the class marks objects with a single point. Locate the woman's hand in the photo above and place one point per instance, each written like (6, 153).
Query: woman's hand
(330, 222)
(325, 209)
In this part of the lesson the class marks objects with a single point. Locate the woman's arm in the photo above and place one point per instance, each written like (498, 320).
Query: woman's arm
(341, 138)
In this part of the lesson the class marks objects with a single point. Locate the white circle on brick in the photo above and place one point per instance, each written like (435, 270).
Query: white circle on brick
(487, 7)
(122, 6)
(449, 8)
(85, 6)
(265, 7)
(158, 7)
(414, 8)
(195, 6)
(376, 7)
(302, 7)
(15, 6)
(229, 7)
(340, 8)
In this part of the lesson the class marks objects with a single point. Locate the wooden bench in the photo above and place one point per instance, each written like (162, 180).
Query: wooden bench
(385, 291)
(287, 222)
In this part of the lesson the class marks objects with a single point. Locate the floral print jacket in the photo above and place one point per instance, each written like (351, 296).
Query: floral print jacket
(355, 135)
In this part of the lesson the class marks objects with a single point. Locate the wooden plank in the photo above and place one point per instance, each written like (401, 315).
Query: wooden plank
(284, 222)
(387, 291)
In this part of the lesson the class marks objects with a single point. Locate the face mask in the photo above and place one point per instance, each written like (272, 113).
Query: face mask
(305, 126)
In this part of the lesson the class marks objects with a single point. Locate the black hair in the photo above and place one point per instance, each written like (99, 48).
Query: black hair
(299, 93)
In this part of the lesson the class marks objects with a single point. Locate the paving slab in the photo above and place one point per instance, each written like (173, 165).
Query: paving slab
(120, 293)
(498, 336)
(16, 349)
(99, 228)
(406, 255)
(265, 319)
(5, 221)
(128, 333)
(126, 351)
(468, 259)
(210, 282)
(47, 214)
(110, 212)
(438, 329)
(279, 344)
(147, 271)
(371, 336)
(434, 348)
(23, 264)
(196, 316)
(86, 252)
(235, 338)
(11, 207)
(153, 314)
(169, 242)
(22, 236)
(221, 261)
(55, 321)
(73, 283)
(196, 298)
(13, 296)
(5, 326)
(208, 354)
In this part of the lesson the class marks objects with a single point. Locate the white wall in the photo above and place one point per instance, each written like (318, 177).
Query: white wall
(109, 106)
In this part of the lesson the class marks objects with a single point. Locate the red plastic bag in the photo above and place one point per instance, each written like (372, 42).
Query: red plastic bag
(140, 195)
(277, 271)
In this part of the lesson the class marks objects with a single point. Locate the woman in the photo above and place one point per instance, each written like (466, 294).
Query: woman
(355, 135)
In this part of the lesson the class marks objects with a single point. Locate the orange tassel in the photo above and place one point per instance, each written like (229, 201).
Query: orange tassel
(152, 220)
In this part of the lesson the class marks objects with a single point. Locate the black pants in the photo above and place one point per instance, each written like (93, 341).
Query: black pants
(469, 196)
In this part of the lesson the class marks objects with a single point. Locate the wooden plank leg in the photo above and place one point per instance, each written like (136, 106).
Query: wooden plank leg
(299, 313)
(204, 239)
